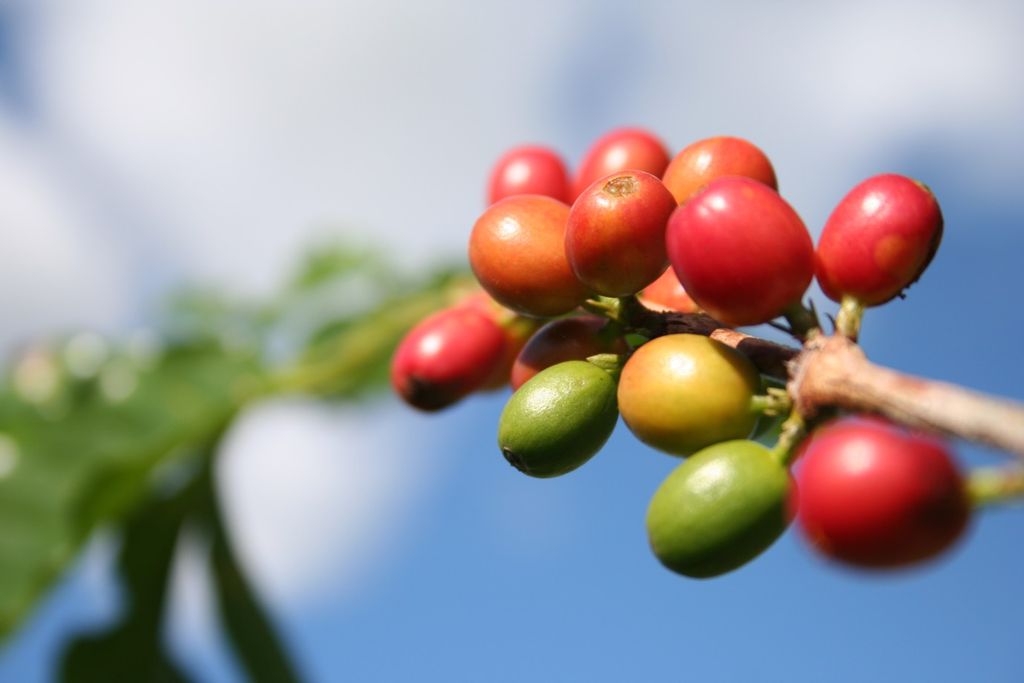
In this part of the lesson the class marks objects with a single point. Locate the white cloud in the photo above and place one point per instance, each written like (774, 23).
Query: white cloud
(835, 91)
(245, 133)
(317, 495)
(54, 273)
(257, 127)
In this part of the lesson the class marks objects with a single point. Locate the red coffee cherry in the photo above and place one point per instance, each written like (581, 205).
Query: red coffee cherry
(740, 251)
(517, 252)
(565, 339)
(516, 328)
(875, 495)
(615, 238)
(445, 357)
(529, 170)
(623, 149)
(706, 160)
(518, 331)
(878, 240)
(667, 294)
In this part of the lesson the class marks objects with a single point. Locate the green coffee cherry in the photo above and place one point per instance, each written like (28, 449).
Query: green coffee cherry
(720, 509)
(559, 419)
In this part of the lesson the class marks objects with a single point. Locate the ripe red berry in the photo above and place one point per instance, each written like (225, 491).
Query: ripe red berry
(517, 252)
(875, 495)
(516, 328)
(615, 238)
(706, 160)
(623, 149)
(447, 356)
(529, 170)
(667, 294)
(878, 240)
(740, 251)
(564, 339)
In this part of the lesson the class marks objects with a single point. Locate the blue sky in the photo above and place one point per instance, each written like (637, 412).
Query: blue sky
(142, 144)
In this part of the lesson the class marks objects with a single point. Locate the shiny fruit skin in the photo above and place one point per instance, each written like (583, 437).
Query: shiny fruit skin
(623, 149)
(667, 294)
(517, 252)
(720, 509)
(564, 339)
(615, 239)
(447, 356)
(878, 240)
(741, 251)
(517, 329)
(559, 419)
(875, 495)
(682, 392)
(711, 158)
(529, 169)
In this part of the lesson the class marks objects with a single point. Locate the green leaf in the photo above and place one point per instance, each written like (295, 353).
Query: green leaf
(83, 454)
(352, 355)
(85, 432)
(248, 627)
(132, 649)
(328, 262)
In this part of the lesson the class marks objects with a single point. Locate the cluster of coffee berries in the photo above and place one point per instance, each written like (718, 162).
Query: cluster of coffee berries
(587, 283)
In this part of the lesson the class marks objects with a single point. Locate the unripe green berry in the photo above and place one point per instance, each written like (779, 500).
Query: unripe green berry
(559, 419)
(719, 509)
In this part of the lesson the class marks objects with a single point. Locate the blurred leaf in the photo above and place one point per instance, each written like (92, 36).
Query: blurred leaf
(132, 650)
(84, 431)
(248, 628)
(205, 314)
(328, 262)
(351, 356)
(64, 472)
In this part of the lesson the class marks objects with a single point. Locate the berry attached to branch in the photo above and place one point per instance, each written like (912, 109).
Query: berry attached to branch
(740, 251)
(615, 238)
(878, 240)
(712, 158)
(446, 357)
(559, 419)
(517, 252)
(875, 495)
(530, 169)
(720, 509)
(623, 149)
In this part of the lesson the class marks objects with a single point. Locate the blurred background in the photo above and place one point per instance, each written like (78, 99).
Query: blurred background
(145, 147)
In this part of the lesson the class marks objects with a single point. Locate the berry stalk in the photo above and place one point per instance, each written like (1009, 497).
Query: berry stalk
(835, 372)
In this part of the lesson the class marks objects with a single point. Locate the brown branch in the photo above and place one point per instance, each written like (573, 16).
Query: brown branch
(769, 358)
(833, 371)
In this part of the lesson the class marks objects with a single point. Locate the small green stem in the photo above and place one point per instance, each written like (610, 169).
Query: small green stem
(988, 486)
(609, 362)
(604, 306)
(802, 320)
(793, 432)
(775, 402)
(848, 321)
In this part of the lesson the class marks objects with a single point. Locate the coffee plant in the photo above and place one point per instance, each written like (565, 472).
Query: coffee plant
(641, 278)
